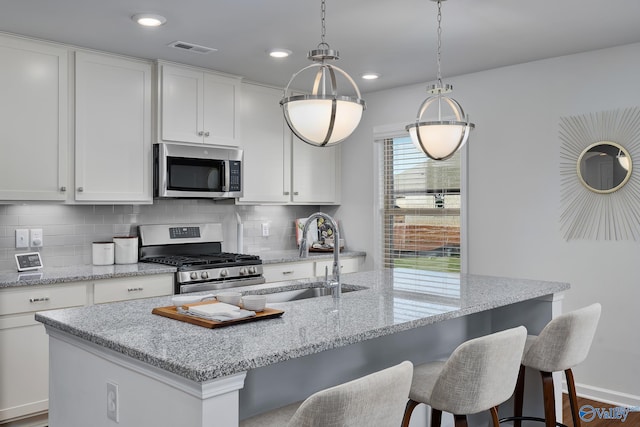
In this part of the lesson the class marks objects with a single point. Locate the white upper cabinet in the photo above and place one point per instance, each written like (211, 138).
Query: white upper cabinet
(34, 130)
(113, 129)
(279, 168)
(197, 106)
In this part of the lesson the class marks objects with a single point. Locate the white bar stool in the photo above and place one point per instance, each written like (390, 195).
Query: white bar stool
(376, 400)
(478, 376)
(562, 344)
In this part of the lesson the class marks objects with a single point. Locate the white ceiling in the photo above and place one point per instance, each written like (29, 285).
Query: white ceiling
(396, 38)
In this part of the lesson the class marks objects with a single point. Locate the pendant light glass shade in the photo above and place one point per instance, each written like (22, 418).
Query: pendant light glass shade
(439, 139)
(324, 117)
(431, 133)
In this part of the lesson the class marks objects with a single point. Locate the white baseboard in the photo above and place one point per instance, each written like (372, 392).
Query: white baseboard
(604, 395)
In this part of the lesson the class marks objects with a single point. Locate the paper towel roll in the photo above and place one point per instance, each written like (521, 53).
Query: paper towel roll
(126, 249)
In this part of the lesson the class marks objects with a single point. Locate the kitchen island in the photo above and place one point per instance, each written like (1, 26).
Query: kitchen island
(167, 372)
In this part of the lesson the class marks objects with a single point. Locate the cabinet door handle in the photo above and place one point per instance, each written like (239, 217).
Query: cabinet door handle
(63, 189)
(135, 289)
(287, 272)
(206, 133)
(200, 133)
(295, 193)
(43, 299)
(80, 189)
(286, 193)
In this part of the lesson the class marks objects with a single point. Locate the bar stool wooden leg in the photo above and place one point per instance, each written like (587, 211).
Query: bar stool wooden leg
(519, 397)
(549, 399)
(494, 416)
(436, 417)
(411, 405)
(573, 399)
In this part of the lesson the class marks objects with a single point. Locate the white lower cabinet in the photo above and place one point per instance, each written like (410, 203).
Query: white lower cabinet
(111, 290)
(24, 344)
(305, 269)
(24, 350)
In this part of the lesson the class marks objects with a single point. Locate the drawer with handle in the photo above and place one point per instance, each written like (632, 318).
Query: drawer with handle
(39, 298)
(111, 290)
(288, 271)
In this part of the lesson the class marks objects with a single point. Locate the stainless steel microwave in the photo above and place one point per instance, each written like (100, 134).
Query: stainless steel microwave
(196, 171)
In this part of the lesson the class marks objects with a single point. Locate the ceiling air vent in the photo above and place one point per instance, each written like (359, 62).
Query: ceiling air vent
(192, 47)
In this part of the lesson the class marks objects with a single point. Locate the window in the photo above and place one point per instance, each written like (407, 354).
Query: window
(421, 209)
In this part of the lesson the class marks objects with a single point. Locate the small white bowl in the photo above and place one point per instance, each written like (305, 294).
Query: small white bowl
(254, 302)
(229, 297)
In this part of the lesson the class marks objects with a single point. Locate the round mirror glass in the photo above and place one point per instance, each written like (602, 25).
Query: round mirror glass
(604, 167)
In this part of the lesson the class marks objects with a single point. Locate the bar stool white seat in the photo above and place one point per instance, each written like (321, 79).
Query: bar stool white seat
(562, 344)
(375, 400)
(478, 376)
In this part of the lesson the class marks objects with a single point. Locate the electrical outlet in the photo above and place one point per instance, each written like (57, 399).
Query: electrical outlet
(22, 238)
(113, 404)
(265, 229)
(36, 238)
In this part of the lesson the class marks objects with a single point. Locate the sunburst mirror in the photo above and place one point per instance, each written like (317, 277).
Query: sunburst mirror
(600, 193)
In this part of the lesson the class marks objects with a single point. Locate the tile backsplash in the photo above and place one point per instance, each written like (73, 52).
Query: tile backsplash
(69, 230)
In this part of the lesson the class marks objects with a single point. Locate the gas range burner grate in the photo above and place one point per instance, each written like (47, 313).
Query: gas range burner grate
(213, 260)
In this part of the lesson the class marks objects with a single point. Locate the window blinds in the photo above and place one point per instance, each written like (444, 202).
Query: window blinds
(421, 209)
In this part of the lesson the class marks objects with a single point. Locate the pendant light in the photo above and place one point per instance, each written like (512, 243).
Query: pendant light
(323, 118)
(439, 139)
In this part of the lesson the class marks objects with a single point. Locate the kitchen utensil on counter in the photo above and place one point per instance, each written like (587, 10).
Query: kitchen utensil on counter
(126, 249)
(102, 253)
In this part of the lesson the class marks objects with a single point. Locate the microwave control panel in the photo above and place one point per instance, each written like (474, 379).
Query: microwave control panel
(234, 175)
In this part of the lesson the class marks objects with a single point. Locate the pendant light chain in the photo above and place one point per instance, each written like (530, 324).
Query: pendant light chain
(439, 76)
(323, 11)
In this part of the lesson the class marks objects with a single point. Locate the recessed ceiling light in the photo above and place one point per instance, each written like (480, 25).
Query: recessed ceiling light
(370, 76)
(279, 53)
(149, 19)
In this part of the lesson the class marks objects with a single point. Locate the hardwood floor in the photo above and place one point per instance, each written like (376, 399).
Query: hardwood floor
(633, 418)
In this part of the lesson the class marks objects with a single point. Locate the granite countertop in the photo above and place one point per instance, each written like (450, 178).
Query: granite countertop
(53, 275)
(393, 302)
(274, 257)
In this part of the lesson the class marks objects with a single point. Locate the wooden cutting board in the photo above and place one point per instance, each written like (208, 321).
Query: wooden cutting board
(172, 312)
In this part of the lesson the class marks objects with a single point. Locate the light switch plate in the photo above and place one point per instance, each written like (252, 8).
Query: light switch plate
(22, 238)
(36, 238)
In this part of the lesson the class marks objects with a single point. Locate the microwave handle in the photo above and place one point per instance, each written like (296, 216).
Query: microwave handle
(226, 175)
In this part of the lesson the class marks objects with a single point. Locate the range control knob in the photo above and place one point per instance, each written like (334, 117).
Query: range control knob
(253, 270)
(243, 271)
(194, 275)
(224, 273)
(204, 275)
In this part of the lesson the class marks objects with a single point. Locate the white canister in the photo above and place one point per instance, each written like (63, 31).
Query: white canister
(102, 253)
(126, 249)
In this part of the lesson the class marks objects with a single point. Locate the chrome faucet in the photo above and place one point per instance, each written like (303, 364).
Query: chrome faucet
(335, 283)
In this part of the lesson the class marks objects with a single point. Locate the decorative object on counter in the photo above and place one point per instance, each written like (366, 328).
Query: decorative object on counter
(323, 118)
(182, 314)
(126, 249)
(600, 192)
(438, 138)
(103, 253)
(320, 234)
(233, 298)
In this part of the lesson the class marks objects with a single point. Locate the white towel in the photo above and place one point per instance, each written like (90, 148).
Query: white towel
(220, 311)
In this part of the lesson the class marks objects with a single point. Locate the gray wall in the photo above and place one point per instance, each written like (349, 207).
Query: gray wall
(69, 230)
(514, 193)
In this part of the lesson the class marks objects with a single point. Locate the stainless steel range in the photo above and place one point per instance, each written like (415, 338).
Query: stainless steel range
(196, 250)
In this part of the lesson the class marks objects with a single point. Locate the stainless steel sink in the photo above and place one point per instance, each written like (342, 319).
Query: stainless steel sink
(316, 289)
